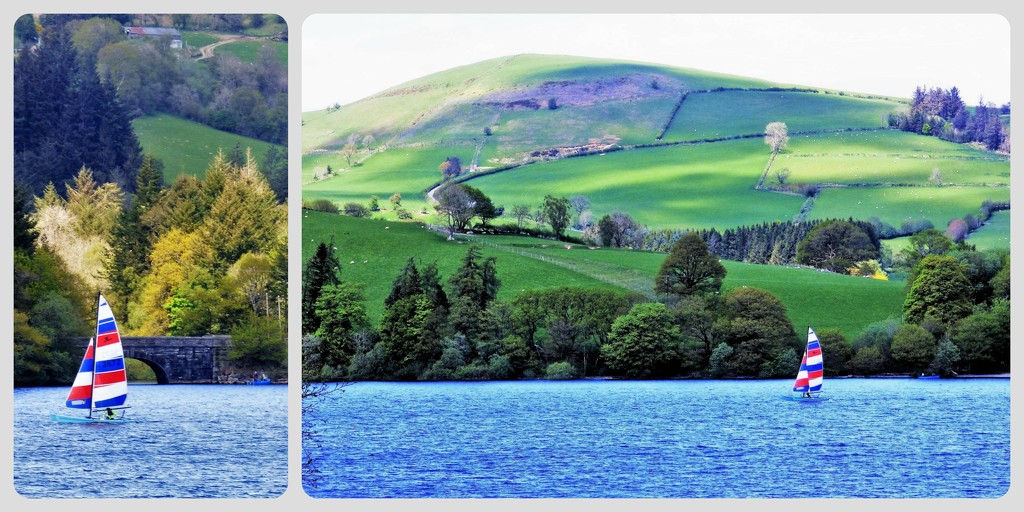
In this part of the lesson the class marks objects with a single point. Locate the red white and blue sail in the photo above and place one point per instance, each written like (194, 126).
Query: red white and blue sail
(80, 396)
(812, 369)
(101, 381)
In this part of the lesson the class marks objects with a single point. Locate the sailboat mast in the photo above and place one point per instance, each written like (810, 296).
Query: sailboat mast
(92, 392)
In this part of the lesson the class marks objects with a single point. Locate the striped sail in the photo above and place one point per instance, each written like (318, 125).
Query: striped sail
(80, 396)
(110, 382)
(811, 374)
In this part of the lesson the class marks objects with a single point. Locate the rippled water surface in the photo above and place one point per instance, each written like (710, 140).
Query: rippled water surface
(872, 438)
(183, 441)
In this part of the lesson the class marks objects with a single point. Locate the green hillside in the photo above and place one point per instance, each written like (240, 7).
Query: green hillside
(713, 115)
(248, 51)
(695, 166)
(679, 180)
(186, 147)
(372, 252)
(466, 98)
(709, 185)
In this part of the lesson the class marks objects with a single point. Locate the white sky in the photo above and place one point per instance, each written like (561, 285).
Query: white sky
(346, 57)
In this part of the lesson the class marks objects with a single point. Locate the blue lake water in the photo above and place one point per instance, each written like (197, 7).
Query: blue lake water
(184, 441)
(873, 438)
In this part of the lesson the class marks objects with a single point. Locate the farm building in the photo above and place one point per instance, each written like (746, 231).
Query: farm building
(158, 32)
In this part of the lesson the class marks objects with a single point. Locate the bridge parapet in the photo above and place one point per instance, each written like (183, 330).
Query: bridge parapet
(180, 359)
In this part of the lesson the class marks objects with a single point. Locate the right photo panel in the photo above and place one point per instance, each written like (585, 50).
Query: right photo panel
(655, 256)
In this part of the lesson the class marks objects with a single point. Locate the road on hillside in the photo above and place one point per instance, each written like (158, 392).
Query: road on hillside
(207, 51)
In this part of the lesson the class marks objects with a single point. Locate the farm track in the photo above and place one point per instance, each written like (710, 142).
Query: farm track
(623, 278)
(206, 52)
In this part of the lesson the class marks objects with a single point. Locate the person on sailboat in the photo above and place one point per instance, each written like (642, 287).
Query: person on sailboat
(807, 394)
(110, 414)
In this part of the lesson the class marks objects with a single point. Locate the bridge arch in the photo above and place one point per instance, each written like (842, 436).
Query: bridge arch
(180, 359)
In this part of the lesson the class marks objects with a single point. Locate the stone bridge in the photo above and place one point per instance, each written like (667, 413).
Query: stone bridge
(179, 359)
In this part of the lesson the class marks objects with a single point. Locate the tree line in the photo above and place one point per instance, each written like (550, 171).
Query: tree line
(955, 319)
(942, 113)
(456, 328)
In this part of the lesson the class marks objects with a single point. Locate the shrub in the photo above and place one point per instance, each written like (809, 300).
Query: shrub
(356, 210)
(561, 370)
(320, 205)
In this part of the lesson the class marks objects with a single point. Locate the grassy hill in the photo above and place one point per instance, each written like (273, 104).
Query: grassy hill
(675, 148)
(372, 252)
(692, 166)
(186, 147)
(463, 100)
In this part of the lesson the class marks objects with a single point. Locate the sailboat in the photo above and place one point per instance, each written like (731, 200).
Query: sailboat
(101, 386)
(812, 370)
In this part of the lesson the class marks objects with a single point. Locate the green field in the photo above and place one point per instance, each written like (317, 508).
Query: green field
(811, 297)
(406, 171)
(700, 186)
(729, 113)
(248, 51)
(372, 252)
(995, 234)
(889, 157)
(197, 39)
(895, 205)
(272, 25)
(187, 147)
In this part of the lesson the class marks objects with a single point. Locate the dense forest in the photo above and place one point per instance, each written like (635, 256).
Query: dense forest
(93, 214)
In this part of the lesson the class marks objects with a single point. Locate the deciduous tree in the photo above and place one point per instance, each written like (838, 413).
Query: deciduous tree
(776, 136)
(941, 290)
(643, 343)
(836, 245)
(456, 206)
(913, 348)
(556, 211)
(689, 269)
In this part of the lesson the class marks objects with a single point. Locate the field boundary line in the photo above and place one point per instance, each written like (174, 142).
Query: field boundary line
(632, 284)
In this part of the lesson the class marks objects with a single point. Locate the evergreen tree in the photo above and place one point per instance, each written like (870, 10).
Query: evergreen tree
(341, 313)
(245, 217)
(405, 332)
(24, 236)
(321, 270)
(132, 238)
(74, 121)
(406, 285)
(473, 286)
(275, 168)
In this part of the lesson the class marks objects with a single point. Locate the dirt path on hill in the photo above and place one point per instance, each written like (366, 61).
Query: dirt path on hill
(207, 51)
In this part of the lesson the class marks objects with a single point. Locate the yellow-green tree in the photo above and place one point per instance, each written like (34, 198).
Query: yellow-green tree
(79, 228)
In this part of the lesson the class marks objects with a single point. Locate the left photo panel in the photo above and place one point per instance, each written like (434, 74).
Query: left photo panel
(150, 256)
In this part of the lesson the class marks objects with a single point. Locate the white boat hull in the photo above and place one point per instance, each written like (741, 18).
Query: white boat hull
(83, 419)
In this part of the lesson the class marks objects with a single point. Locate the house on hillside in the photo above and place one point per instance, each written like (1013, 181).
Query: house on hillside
(172, 34)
